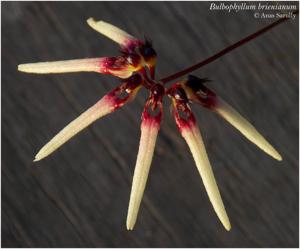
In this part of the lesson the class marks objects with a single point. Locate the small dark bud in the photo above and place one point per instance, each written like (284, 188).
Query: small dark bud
(202, 94)
(196, 83)
(147, 51)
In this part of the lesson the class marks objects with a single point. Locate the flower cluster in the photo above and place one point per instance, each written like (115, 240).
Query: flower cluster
(135, 66)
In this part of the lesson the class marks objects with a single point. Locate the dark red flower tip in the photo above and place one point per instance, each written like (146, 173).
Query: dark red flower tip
(178, 93)
(153, 108)
(157, 92)
(127, 90)
(183, 115)
(152, 114)
(115, 63)
(131, 46)
(197, 92)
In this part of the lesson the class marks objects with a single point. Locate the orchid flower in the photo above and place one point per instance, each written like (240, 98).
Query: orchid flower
(135, 67)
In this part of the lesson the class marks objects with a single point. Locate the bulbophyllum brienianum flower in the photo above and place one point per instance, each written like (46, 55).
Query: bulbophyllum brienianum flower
(135, 66)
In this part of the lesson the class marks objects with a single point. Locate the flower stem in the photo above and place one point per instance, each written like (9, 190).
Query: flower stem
(224, 51)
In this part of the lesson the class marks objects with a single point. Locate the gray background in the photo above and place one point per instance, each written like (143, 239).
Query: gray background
(78, 196)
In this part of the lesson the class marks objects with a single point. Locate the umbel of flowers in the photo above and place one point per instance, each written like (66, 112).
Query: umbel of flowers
(135, 67)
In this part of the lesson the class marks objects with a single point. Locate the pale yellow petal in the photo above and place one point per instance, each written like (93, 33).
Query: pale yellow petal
(112, 32)
(149, 130)
(101, 108)
(248, 130)
(194, 140)
(66, 66)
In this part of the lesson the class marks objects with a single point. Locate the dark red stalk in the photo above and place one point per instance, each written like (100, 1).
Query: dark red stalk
(225, 50)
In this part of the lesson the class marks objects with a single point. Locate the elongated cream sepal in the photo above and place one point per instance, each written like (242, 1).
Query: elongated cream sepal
(149, 130)
(247, 129)
(101, 108)
(192, 136)
(112, 32)
(65, 66)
